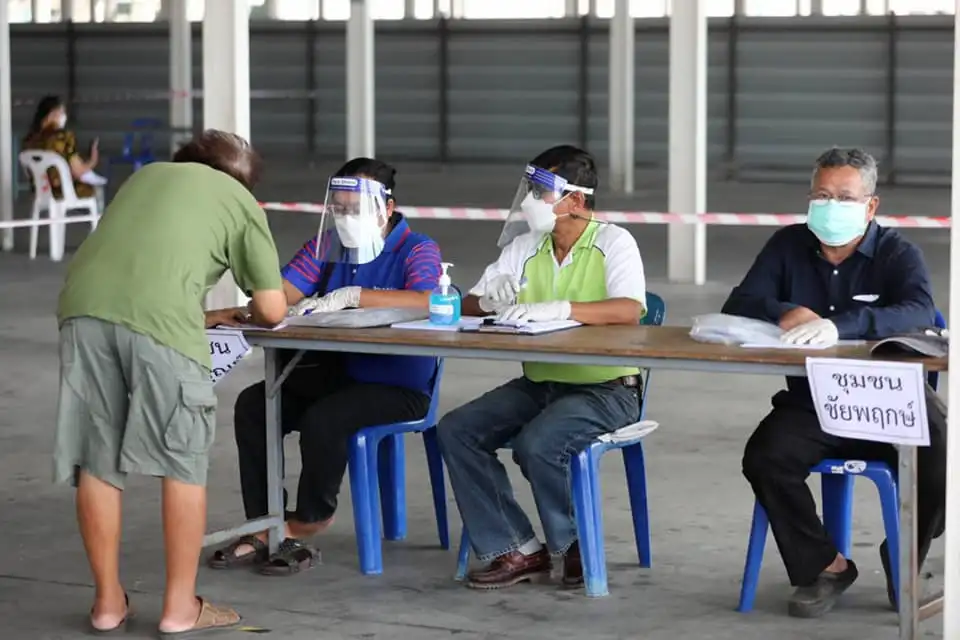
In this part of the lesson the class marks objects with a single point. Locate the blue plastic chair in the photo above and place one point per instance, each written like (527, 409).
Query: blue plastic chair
(836, 487)
(138, 144)
(585, 488)
(378, 479)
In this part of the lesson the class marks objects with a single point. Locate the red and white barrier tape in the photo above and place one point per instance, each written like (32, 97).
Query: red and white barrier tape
(630, 217)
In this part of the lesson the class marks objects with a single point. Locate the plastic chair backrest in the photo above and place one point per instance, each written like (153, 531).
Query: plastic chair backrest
(933, 378)
(656, 310)
(38, 163)
(139, 142)
(656, 315)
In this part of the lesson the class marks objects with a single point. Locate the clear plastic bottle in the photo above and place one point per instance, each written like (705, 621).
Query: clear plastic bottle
(445, 300)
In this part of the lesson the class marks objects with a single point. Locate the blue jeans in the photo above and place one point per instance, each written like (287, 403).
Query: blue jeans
(545, 423)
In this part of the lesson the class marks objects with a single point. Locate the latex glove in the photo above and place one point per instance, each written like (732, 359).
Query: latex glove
(500, 293)
(816, 332)
(343, 298)
(536, 312)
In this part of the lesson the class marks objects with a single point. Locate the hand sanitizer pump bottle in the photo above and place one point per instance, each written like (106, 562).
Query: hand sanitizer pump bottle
(445, 300)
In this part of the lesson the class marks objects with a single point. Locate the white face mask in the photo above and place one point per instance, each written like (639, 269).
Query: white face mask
(538, 214)
(61, 121)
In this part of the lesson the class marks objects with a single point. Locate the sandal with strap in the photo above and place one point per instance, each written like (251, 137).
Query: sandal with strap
(292, 557)
(227, 557)
(119, 628)
(211, 618)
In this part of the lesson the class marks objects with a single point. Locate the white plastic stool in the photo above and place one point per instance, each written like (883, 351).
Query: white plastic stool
(37, 163)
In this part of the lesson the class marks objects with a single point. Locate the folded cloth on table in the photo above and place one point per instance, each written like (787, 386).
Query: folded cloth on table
(933, 342)
(634, 431)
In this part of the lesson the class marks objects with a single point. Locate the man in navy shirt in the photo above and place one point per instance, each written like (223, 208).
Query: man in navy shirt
(840, 276)
(330, 396)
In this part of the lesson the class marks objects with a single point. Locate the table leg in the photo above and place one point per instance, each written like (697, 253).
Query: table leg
(274, 447)
(909, 598)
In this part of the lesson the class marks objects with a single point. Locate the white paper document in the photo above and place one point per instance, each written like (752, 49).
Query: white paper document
(227, 348)
(870, 399)
(251, 327)
(466, 322)
(805, 347)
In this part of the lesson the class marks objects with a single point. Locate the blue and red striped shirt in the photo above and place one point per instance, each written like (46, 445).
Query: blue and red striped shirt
(409, 261)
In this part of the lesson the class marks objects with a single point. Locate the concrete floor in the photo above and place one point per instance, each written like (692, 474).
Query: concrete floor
(700, 505)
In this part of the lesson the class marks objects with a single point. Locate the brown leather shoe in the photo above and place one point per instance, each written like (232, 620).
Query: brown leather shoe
(572, 567)
(510, 569)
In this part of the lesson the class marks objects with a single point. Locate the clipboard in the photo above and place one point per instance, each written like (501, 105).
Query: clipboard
(490, 325)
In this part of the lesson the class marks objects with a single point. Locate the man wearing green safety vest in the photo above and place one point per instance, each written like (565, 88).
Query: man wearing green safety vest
(557, 263)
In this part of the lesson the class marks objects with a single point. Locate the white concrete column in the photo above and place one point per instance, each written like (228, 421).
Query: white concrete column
(41, 11)
(361, 129)
(410, 9)
(181, 72)
(437, 13)
(110, 10)
(571, 9)
(687, 244)
(226, 95)
(739, 7)
(816, 7)
(458, 8)
(6, 128)
(951, 567)
(68, 11)
(621, 98)
(270, 9)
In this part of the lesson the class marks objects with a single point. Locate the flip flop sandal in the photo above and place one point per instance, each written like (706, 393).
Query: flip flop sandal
(212, 618)
(292, 557)
(121, 626)
(227, 557)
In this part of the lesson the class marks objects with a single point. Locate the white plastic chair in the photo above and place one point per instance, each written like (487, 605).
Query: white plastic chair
(37, 163)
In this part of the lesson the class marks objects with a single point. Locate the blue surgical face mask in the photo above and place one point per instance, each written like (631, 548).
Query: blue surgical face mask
(837, 223)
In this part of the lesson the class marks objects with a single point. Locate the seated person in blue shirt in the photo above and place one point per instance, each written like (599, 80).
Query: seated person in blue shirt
(330, 396)
(839, 276)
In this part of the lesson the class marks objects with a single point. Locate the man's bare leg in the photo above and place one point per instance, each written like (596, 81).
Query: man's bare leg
(99, 517)
(184, 522)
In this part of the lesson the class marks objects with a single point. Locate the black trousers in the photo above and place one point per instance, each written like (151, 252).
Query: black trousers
(777, 461)
(327, 408)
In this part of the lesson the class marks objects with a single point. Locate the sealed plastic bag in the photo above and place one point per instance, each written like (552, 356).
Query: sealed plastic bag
(720, 328)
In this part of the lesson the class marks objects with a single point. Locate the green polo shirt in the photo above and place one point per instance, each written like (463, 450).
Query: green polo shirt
(167, 237)
(604, 263)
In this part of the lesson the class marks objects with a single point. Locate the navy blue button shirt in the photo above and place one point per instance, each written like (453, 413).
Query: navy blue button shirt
(882, 289)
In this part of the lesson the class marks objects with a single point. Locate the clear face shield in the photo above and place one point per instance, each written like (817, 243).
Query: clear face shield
(532, 210)
(353, 221)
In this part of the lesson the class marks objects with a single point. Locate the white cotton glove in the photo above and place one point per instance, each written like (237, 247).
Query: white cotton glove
(343, 298)
(500, 293)
(536, 312)
(820, 332)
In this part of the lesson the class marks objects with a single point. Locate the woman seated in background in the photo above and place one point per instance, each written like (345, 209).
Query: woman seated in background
(48, 133)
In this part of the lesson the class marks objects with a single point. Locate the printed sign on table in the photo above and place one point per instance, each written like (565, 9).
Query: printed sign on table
(227, 348)
(870, 400)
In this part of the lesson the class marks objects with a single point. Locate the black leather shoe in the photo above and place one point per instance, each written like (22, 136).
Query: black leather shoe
(819, 598)
(891, 588)
(572, 567)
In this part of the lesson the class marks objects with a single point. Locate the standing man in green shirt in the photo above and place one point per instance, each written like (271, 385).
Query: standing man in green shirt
(557, 263)
(135, 389)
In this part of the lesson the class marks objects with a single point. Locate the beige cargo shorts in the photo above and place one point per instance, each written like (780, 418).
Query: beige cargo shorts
(130, 405)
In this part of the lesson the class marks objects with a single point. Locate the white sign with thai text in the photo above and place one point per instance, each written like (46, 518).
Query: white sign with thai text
(227, 348)
(870, 399)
